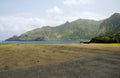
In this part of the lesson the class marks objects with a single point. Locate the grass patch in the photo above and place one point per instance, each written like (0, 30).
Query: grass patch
(17, 56)
(113, 44)
(60, 61)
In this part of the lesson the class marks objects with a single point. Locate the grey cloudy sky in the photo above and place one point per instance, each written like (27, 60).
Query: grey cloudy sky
(18, 16)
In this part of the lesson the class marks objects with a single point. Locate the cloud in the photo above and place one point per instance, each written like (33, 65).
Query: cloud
(24, 14)
(16, 25)
(21, 24)
(92, 15)
(54, 10)
(60, 19)
(77, 2)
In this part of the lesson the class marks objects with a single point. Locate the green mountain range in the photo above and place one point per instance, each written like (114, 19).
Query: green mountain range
(109, 30)
(78, 29)
(110, 25)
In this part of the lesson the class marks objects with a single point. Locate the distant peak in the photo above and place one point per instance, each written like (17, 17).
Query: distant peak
(15, 36)
(67, 22)
(116, 15)
(46, 27)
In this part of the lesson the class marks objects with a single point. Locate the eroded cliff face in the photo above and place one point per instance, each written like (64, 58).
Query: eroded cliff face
(110, 25)
(109, 31)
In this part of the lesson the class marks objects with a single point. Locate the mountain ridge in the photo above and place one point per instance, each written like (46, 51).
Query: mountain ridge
(110, 25)
(109, 30)
(78, 29)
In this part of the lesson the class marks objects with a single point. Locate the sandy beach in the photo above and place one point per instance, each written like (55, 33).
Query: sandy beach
(60, 61)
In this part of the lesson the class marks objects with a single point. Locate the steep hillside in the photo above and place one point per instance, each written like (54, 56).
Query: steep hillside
(110, 25)
(109, 31)
(114, 38)
(78, 29)
(13, 38)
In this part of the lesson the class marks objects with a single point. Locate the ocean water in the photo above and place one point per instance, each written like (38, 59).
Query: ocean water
(45, 42)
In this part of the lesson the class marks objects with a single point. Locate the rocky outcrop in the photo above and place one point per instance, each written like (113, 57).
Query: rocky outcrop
(115, 38)
(109, 30)
(39, 39)
(110, 25)
(14, 38)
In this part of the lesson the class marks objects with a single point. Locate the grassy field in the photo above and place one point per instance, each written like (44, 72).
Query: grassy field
(60, 61)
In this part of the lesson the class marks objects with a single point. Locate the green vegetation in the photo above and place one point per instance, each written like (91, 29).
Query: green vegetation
(108, 38)
(110, 25)
(60, 61)
(109, 31)
(78, 29)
